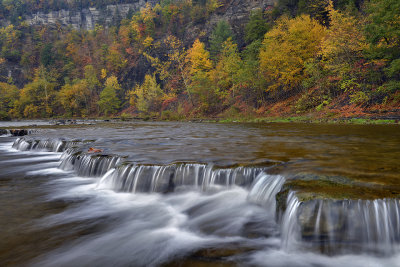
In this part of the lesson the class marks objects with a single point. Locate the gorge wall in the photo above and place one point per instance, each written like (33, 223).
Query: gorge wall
(87, 18)
(234, 11)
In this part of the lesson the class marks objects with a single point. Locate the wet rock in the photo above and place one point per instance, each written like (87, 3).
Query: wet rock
(309, 186)
(19, 132)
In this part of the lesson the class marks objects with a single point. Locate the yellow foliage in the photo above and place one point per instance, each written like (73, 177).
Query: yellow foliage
(148, 41)
(199, 58)
(225, 74)
(212, 5)
(147, 96)
(344, 42)
(147, 13)
(115, 59)
(103, 73)
(286, 48)
(112, 82)
(74, 97)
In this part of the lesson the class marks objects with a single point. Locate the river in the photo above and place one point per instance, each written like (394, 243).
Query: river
(200, 194)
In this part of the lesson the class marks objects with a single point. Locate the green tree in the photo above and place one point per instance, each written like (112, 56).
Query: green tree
(317, 9)
(383, 28)
(219, 35)
(46, 57)
(109, 103)
(225, 74)
(256, 27)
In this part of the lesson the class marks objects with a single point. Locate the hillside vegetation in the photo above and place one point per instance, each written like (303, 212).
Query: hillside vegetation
(296, 57)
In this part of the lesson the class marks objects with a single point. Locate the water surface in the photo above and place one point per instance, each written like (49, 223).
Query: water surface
(187, 194)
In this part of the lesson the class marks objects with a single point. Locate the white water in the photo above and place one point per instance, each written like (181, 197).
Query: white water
(152, 229)
(6, 134)
(143, 178)
(369, 226)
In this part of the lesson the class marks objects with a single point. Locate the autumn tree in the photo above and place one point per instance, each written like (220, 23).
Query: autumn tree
(317, 9)
(286, 48)
(342, 47)
(343, 43)
(8, 96)
(200, 66)
(37, 99)
(225, 75)
(109, 103)
(93, 87)
(148, 96)
(9, 41)
(74, 98)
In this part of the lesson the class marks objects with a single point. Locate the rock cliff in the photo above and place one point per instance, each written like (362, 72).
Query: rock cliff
(87, 18)
(234, 11)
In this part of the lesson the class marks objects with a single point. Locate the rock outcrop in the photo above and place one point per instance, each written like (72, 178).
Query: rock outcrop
(87, 18)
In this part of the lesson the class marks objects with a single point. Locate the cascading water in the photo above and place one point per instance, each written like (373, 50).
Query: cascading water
(88, 165)
(143, 178)
(16, 132)
(5, 132)
(289, 223)
(204, 201)
(51, 145)
(341, 226)
(264, 190)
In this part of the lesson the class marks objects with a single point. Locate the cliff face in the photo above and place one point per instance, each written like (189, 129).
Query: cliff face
(234, 11)
(87, 18)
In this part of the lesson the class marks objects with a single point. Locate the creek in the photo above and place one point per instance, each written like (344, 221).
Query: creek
(200, 194)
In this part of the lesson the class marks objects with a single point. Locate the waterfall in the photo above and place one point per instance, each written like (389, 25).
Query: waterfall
(264, 190)
(88, 165)
(290, 228)
(51, 145)
(340, 226)
(323, 225)
(165, 178)
(16, 132)
(5, 132)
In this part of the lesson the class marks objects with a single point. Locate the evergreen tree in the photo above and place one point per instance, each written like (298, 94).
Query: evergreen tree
(220, 34)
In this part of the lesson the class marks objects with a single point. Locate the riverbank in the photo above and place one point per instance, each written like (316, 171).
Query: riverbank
(387, 117)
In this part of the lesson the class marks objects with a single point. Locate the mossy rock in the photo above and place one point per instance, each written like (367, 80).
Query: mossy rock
(311, 186)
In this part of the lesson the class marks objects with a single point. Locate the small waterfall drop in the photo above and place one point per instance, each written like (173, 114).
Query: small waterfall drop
(51, 145)
(165, 178)
(5, 132)
(290, 228)
(264, 190)
(88, 165)
(341, 226)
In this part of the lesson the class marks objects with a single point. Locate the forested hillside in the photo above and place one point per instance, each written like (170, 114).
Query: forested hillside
(202, 58)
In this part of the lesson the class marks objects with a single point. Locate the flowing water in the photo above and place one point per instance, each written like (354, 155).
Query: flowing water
(199, 194)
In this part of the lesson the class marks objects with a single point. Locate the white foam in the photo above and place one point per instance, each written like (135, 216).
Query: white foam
(33, 159)
(279, 258)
